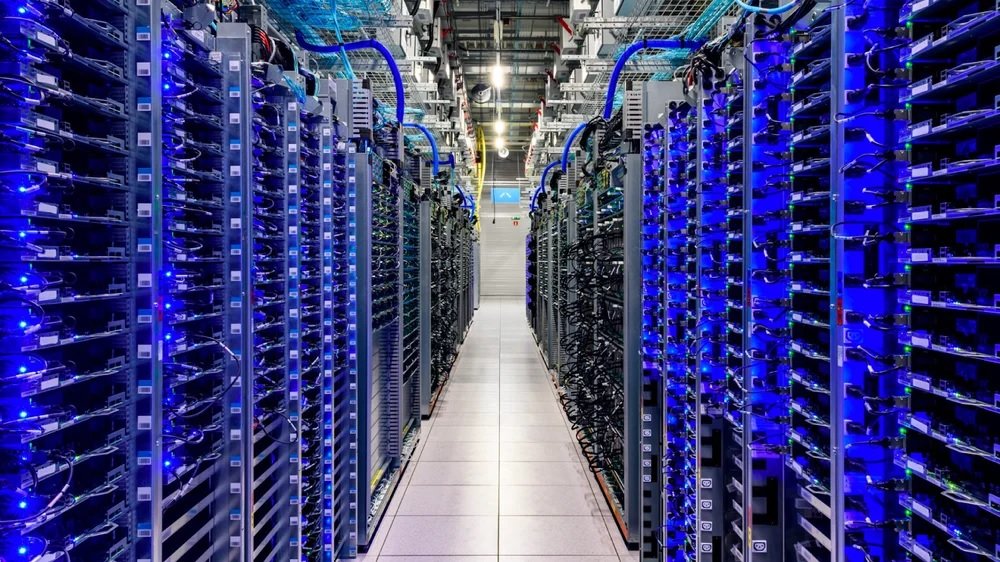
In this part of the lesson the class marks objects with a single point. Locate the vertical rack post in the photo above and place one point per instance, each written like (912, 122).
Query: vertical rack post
(233, 511)
(838, 69)
(148, 224)
(426, 255)
(632, 336)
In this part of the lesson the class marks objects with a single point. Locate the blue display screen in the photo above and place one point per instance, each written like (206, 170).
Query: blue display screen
(507, 195)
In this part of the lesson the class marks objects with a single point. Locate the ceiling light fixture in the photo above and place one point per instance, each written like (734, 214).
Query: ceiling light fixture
(496, 76)
(499, 127)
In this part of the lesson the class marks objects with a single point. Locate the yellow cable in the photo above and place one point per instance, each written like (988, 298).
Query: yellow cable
(480, 171)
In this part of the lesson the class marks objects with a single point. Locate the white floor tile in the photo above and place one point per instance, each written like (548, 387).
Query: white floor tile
(441, 535)
(549, 500)
(560, 536)
(449, 500)
(454, 473)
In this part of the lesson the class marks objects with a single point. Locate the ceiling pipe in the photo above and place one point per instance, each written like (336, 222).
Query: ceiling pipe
(434, 145)
(631, 50)
(365, 44)
(569, 144)
(541, 186)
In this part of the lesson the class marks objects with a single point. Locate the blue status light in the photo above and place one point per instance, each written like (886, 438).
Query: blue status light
(22, 504)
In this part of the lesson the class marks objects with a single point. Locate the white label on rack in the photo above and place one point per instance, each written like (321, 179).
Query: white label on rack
(919, 425)
(45, 38)
(46, 470)
(920, 299)
(920, 256)
(143, 69)
(920, 341)
(293, 148)
(921, 552)
(235, 224)
(921, 172)
(45, 124)
(235, 171)
(47, 79)
(920, 215)
(915, 466)
(920, 131)
(921, 45)
(234, 118)
(921, 509)
(921, 384)
(920, 89)
(198, 34)
(234, 66)
(145, 280)
(44, 296)
(46, 167)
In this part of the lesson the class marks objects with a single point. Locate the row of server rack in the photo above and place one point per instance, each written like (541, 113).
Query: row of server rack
(218, 333)
(769, 292)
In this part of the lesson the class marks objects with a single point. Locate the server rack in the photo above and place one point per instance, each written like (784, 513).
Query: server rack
(449, 235)
(71, 428)
(945, 324)
(588, 307)
(156, 167)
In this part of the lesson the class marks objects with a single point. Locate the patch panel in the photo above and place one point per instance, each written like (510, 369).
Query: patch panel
(734, 467)
(680, 406)
(763, 377)
(707, 318)
(653, 316)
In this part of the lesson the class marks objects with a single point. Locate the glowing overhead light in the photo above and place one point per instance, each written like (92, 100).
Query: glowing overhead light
(499, 126)
(499, 142)
(496, 75)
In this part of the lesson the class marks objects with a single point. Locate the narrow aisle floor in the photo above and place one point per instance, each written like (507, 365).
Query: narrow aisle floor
(497, 474)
